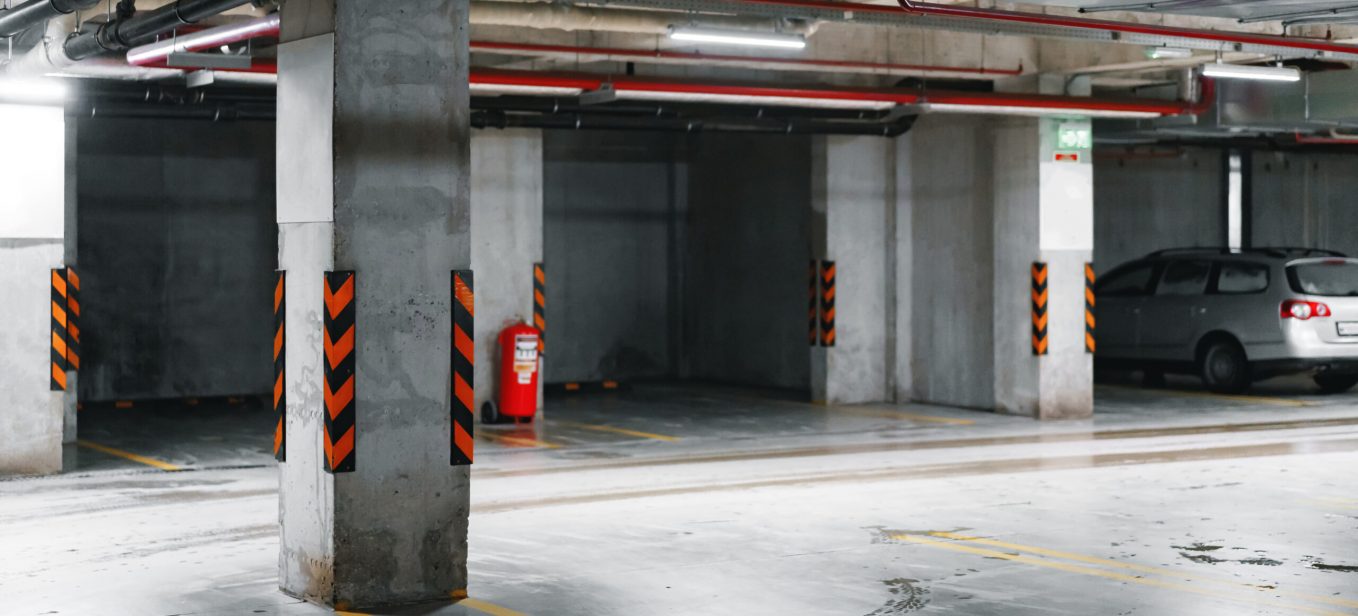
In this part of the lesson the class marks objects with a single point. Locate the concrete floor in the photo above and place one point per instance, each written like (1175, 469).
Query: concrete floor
(704, 500)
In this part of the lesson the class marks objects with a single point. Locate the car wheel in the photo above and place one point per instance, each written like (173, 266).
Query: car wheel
(1335, 383)
(490, 414)
(1224, 368)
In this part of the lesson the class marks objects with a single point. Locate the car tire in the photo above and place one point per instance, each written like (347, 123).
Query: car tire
(1224, 368)
(490, 414)
(1335, 383)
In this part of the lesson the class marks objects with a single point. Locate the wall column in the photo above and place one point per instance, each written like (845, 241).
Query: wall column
(507, 241)
(854, 193)
(1044, 208)
(32, 244)
(373, 162)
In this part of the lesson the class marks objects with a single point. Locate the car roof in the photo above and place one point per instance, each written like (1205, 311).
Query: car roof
(1280, 253)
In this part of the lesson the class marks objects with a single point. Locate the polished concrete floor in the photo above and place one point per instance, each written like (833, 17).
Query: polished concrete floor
(709, 500)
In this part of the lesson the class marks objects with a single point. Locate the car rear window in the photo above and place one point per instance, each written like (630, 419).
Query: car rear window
(1242, 277)
(1330, 278)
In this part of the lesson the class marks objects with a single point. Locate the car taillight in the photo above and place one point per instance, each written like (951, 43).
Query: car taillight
(1301, 309)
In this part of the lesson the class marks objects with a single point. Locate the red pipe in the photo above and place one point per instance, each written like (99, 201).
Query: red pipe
(901, 97)
(157, 53)
(493, 46)
(949, 10)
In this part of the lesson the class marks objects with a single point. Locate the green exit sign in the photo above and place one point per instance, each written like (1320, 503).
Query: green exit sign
(1074, 137)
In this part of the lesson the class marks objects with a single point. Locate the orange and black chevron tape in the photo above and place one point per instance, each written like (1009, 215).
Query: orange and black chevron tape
(1089, 308)
(1039, 308)
(280, 397)
(827, 303)
(813, 325)
(339, 332)
(464, 363)
(59, 330)
(540, 305)
(72, 320)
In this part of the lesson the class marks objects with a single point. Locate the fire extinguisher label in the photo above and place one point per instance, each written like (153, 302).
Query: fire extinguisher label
(525, 357)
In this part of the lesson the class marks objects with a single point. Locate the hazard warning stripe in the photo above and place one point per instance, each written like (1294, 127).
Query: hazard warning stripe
(813, 324)
(58, 330)
(339, 332)
(1039, 308)
(827, 303)
(463, 363)
(540, 305)
(72, 320)
(280, 397)
(1089, 308)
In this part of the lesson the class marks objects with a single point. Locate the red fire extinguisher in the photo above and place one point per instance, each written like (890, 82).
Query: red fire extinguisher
(518, 395)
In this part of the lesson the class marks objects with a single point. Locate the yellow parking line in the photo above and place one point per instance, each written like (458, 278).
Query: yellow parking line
(489, 608)
(520, 441)
(624, 431)
(1206, 394)
(1131, 566)
(885, 414)
(1111, 575)
(127, 455)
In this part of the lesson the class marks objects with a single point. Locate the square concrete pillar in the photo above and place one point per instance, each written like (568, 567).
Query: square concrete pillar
(854, 227)
(507, 241)
(373, 162)
(1044, 213)
(32, 244)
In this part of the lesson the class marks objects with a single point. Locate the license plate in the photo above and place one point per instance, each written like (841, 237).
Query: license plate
(1348, 328)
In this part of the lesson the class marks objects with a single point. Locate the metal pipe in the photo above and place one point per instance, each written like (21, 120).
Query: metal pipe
(634, 88)
(678, 57)
(141, 28)
(493, 119)
(570, 18)
(1298, 14)
(159, 52)
(17, 19)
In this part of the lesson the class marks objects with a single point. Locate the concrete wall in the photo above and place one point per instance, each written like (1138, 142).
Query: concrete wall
(32, 243)
(614, 206)
(506, 236)
(856, 182)
(1306, 199)
(746, 270)
(177, 257)
(952, 292)
(1144, 203)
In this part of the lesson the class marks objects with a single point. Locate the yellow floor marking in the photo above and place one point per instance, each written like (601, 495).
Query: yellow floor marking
(517, 440)
(127, 455)
(1111, 575)
(1132, 566)
(489, 608)
(624, 431)
(871, 412)
(1205, 394)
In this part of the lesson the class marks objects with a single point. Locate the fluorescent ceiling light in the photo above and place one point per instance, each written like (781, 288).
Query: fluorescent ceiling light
(1168, 53)
(32, 91)
(1258, 73)
(739, 37)
(1038, 111)
(745, 99)
(496, 89)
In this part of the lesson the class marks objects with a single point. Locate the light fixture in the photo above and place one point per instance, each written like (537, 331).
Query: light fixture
(1129, 114)
(1258, 73)
(1168, 53)
(738, 37)
(32, 91)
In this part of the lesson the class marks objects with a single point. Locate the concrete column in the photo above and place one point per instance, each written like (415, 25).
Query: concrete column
(506, 240)
(855, 191)
(373, 164)
(32, 243)
(1044, 212)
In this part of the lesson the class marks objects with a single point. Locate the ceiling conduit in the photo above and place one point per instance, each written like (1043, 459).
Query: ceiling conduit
(634, 88)
(19, 18)
(660, 56)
